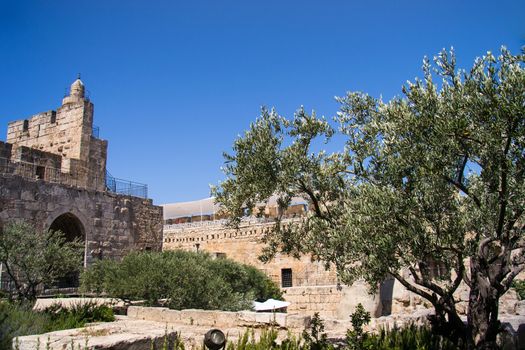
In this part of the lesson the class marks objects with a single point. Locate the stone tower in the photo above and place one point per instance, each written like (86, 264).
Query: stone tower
(68, 133)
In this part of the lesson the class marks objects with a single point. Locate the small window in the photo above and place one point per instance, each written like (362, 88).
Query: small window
(286, 278)
(40, 172)
(220, 255)
(53, 117)
(26, 125)
(148, 249)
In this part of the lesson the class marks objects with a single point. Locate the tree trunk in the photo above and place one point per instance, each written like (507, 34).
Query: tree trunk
(447, 323)
(483, 310)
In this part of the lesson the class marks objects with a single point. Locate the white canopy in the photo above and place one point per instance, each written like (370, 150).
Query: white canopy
(270, 305)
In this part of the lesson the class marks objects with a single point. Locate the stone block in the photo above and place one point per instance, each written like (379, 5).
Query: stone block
(196, 317)
(246, 317)
(263, 317)
(133, 311)
(226, 319)
(298, 322)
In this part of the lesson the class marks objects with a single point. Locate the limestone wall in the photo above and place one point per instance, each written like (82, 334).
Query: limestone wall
(66, 133)
(314, 289)
(245, 246)
(337, 302)
(112, 224)
(215, 318)
(58, 132)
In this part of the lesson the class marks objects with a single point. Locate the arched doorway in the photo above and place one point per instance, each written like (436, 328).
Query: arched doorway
(72, 228)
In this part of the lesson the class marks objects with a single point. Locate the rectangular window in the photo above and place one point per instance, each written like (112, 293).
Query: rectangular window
(286, 278)
(40, 172)
(26, 126)
(53, 117)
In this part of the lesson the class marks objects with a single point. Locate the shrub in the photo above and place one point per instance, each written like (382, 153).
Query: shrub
(408, 337)
(519, 286)
(77, 315)
(356, 337)
(17, 320)
(183, 279)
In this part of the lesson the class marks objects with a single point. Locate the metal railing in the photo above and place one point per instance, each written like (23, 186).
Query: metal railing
(96, 132)
(80, 177)
(126, 187)
(217, 223)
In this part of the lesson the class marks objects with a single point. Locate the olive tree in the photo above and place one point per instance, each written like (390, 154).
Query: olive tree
(32, 258)
(433, 178)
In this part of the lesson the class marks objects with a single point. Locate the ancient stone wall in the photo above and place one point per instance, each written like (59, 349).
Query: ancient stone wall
(245, 246)
(112, 224)
(313, 288)
(67, 133)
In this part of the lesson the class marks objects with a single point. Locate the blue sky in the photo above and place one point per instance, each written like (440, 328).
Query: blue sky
(174, 82)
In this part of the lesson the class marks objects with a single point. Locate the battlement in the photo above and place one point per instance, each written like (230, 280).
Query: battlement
(63, 146)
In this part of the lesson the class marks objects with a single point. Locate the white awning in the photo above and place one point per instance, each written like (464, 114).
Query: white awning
(270, 305)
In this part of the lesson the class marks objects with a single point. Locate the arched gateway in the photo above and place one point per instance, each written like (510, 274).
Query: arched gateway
(72, 228)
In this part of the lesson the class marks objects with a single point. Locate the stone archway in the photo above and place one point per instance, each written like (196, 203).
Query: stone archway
(72, 228)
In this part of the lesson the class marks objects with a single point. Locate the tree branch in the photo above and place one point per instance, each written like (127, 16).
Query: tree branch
(413, 289)
(463, 189)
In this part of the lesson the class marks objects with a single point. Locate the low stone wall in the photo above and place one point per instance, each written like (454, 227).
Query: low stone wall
(212, 318)
(332, 301)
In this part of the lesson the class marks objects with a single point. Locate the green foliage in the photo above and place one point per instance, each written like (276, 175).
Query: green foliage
(266, 341)
(168, 342)
(17, 320)
(408, 337)
(20, 319)
(32, 258)
(316, 339)
(184, 279)
(519, 286)
(356, 337)
(77, 315)
(424, 182)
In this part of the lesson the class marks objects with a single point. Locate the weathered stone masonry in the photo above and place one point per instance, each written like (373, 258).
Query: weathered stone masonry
(53, 175)
(112, 224)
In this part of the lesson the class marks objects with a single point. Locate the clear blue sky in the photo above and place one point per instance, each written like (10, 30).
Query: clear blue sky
(174, 82)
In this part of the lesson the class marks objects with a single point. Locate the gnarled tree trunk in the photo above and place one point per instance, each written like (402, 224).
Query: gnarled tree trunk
(483, 310)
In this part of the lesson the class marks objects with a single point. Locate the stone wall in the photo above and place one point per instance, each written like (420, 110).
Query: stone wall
(112, 224)
(216, 318)
(337, 302)
(245, 246)
(314, 289)
(67, 133)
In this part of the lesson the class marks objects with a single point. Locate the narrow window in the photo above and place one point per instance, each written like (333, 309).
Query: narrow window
(286, 278)
(40, 172)
(53, 117)
(26, 125)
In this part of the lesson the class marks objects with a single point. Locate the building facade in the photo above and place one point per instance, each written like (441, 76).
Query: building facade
(307, 284)
(53, 175)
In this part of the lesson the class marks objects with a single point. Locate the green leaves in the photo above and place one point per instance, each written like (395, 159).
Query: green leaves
(422, 180)
(184, 279)
(32, 258)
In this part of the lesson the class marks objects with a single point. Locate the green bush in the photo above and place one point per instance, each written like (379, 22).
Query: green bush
(77, 315)
(179, 279)
(17, 320)
(408, 337)
(519, 286)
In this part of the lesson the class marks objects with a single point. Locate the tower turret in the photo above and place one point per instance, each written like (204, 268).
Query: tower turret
(76, 92)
